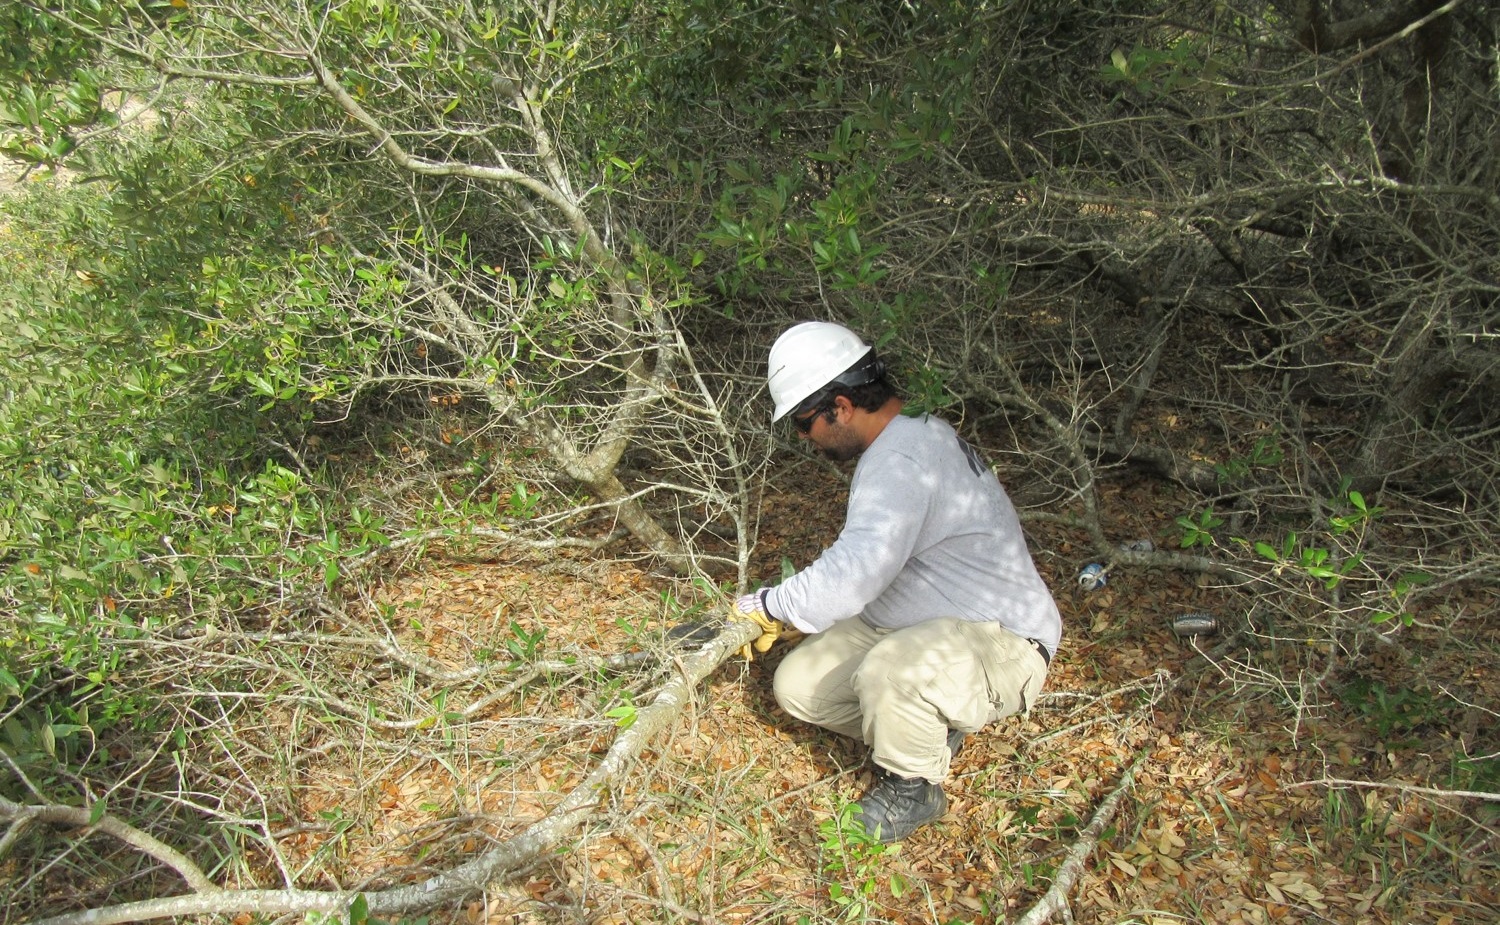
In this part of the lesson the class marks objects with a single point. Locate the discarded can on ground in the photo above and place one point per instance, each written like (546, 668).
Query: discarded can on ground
(1092, 577)
(1138, 546)
(1194, 624)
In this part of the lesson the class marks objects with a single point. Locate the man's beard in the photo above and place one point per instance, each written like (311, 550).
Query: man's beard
(844, 449)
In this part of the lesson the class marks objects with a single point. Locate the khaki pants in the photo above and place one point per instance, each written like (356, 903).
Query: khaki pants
(900, 691)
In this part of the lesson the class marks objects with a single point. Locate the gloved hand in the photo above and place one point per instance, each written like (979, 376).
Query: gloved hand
(752, 607)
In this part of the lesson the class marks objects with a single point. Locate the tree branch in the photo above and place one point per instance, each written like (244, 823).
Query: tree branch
(20, 815)
(1318, 35)
(386, 142)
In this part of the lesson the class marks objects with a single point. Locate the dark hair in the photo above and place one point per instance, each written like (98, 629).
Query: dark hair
(871, 396)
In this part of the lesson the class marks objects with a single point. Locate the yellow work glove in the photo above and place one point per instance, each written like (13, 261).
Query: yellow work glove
(750, 607)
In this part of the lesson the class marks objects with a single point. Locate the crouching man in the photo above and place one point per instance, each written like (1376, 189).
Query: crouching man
(927, 619)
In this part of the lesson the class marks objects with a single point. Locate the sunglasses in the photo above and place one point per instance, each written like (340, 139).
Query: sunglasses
(804, 424)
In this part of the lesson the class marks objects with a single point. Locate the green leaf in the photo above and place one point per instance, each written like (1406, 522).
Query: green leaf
(359, 910)
(96, 812)
(1409, 580)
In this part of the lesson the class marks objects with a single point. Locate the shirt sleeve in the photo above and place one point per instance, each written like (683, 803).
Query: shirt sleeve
(888, 503)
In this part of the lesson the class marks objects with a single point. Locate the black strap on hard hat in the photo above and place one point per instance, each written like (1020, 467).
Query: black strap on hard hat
(868, 368)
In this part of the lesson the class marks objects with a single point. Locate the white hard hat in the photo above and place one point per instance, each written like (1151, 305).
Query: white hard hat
(814, 354)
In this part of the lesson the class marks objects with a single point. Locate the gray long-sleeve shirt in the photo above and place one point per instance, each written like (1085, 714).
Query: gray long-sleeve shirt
(929, 533)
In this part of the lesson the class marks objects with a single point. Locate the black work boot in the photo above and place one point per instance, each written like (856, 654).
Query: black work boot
(955, 742)
(896, 806)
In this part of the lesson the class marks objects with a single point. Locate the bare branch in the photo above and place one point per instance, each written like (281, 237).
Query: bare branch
(1337, 782)
(52, 814)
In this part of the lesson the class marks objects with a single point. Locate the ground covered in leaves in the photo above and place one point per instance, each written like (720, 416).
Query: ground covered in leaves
(1241, 808)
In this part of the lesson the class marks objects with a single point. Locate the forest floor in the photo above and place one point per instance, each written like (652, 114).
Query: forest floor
(1236, 813)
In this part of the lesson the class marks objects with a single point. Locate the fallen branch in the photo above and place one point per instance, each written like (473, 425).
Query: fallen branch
(18, 816)
(1056, 898)
(453, 885)
(1404, 788)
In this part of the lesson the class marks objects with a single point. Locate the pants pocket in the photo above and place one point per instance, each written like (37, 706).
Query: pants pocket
(1014, 673)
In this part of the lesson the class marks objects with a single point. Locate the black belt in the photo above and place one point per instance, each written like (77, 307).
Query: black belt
(1042, 651)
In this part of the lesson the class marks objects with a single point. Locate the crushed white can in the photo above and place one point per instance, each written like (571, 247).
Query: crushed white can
(1092, 577)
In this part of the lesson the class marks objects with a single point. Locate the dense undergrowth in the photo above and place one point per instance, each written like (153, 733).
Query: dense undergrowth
(174, 540)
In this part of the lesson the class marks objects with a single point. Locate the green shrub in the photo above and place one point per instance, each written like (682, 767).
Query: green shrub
(137, 498)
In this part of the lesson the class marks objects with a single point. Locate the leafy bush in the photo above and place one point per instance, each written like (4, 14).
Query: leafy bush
(138, 499)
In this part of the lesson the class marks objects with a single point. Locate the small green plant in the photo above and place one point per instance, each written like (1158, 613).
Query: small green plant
(449, 718)
(523, 644)
(1183, 66)
(853, 857)
(1265, 454)
(1478, 774)
(624, 715)
(1331, 555)
(1356, 514)
(676, 609)
(927, 392)
(1400, 591)
(1391, 712)
(1314, 561)
(1199, 531)
(633, 628)
(521, 503)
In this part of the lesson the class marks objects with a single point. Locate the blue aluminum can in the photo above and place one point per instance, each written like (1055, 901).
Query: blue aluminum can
(1093, 577)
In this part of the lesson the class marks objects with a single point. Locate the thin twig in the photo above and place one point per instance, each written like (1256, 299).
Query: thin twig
(1402, 787)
